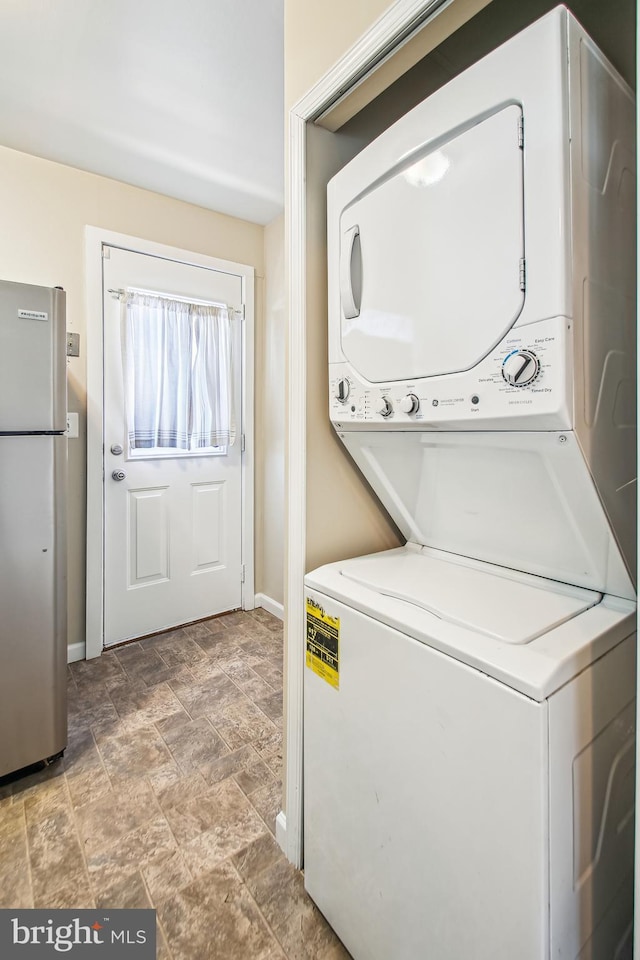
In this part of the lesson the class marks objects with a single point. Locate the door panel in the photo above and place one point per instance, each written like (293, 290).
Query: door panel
(208, 520)
(148, 536)
(173, 524)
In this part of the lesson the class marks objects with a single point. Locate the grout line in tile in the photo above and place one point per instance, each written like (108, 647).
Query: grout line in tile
(146, 885)
(257, 906)
(28, 852)
(171, 831)
(100, 757)
(270, 719)
(271, 832)
(164, 934)
(79, 836)
(246, 694)
(247, 743)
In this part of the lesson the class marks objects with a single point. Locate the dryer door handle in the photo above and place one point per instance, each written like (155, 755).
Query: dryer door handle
(350, 273)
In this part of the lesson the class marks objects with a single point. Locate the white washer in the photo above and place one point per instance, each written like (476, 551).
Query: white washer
(470, 697)
(469, 785)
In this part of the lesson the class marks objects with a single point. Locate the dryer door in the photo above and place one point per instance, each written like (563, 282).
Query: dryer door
(430, 276)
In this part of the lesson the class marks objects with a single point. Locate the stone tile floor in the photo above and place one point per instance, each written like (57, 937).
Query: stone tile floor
(167, 796)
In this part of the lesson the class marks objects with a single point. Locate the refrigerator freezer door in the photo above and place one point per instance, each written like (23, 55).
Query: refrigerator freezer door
(33, 586)
(32, 358)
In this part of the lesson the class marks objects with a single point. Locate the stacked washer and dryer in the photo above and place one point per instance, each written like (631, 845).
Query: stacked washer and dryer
(469, 727)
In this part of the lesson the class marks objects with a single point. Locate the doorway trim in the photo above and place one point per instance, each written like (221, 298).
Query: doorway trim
(95, 239)
(430, 22)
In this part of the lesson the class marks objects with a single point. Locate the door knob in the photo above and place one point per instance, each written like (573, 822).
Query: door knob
(118, 474)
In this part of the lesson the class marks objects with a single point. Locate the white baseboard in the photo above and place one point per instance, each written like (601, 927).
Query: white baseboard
(272, 606)
(281, 831)
(75, 651)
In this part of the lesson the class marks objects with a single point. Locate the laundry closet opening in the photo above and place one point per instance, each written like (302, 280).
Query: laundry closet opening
(337, 511)
(366, 402)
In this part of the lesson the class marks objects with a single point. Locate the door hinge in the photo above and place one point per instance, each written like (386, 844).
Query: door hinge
(243, 443)
(106, 253)
(243, 573)
(521, 132)
(523, 274)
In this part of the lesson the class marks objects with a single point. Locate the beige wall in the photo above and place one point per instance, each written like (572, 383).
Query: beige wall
(344, 518)
(45, 208)
(317, 33)
(270, 400)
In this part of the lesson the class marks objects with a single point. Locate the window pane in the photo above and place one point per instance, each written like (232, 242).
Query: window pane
(178, 369)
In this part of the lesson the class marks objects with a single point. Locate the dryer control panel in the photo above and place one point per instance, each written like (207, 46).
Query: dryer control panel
(523, 383)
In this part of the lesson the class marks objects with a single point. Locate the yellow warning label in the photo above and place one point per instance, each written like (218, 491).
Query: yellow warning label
(323, 644)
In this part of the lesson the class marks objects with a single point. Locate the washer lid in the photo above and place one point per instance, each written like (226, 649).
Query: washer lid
(514, 608)
(525, 501)
(431, 254)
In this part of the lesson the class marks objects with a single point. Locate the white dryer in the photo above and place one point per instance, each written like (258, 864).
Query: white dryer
(470, 698)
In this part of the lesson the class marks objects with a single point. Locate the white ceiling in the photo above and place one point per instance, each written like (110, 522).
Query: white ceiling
(184, 98)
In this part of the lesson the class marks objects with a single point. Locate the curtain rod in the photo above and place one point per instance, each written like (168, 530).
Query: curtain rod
(119, 294)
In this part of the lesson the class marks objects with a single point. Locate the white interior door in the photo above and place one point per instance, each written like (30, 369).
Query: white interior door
(173, 521)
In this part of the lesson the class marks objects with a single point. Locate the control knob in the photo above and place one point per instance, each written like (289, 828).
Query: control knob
(383, 407)
(410, 403)
(520, 368)
(342, 391)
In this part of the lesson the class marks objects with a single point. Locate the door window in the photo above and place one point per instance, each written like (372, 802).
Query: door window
(177, 376)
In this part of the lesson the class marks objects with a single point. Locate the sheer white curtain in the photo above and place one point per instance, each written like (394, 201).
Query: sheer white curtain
(212, 420)
(177, 361)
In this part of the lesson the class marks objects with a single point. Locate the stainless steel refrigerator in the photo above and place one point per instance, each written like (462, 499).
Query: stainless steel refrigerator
(33, 579)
